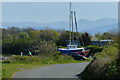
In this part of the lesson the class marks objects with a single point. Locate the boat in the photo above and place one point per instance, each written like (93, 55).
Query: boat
(72, 48)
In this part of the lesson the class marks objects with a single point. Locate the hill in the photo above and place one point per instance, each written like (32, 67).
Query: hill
(101, 25)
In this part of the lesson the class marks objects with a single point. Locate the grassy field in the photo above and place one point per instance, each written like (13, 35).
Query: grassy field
(18, 63)
(8, 70)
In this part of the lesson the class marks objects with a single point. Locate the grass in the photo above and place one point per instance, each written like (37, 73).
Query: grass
(20, 63)
(0, 69)
(9, 70)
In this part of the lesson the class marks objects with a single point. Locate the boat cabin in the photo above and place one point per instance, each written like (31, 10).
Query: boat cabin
(71, 46)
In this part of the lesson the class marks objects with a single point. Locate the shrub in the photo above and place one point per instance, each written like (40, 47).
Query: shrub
(56, 58)
(43, 59)
(94, 49)
(6, 61)
(62, 47)
(64, 59)
(25, 59)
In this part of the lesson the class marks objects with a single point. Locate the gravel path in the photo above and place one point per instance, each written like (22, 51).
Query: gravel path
(54, 71)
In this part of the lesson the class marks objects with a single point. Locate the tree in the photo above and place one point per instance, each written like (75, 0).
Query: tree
(98, 35)
(48, 35)
(46, 47)
(14, 41)
(107, 35)
(86, 39)
(63, 38)
(23, 35)
(13, 30)
(28, 30)
(43, 40)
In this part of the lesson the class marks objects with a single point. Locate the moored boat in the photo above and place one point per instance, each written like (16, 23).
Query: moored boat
(71, 48)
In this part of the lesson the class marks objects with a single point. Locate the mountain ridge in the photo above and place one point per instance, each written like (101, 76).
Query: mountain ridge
(83, 25)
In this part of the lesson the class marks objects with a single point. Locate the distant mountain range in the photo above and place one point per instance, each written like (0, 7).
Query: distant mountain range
(92, 27)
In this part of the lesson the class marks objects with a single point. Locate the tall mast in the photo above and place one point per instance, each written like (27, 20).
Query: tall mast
(76, 27)
(75, 21)
(70, 23)
(72, 27)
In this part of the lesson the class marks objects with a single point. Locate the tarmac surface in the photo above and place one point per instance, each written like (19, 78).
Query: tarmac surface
(54, 71)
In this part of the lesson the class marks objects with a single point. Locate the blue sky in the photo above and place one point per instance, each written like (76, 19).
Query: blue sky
(45, 12)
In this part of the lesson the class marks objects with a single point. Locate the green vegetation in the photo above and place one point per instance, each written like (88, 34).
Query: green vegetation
(106, 35)
(16, 40)
(9, 69)
(106, 62)
(86, 39)
(43, 45)
(18, 63)
(103, 65)
(94, 49)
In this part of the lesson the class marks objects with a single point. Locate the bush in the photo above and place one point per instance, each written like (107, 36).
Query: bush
(64, 59)
(94, 49)
(25, 59)
(46, 47)
(43, 59)
(62, 47)
(56, 58)
(6, 61)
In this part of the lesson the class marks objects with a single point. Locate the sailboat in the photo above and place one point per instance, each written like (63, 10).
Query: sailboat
(72, 48)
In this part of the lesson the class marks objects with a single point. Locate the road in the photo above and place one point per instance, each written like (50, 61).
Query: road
(54, 71)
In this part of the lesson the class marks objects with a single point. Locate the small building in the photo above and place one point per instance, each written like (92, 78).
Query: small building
(101, 42)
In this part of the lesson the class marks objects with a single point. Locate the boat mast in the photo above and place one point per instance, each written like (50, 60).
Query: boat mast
(76, 27)
(72, 27)
(70, 23)
(75, 21)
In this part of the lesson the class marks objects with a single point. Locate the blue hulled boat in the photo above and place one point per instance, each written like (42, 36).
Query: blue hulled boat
(71, 48)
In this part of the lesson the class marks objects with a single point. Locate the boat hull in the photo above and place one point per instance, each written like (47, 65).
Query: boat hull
(69, 51)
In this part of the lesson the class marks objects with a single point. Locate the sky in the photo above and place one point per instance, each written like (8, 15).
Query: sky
(46, 12)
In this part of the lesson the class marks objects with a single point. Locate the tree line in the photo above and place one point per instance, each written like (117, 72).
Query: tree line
(16, 40)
